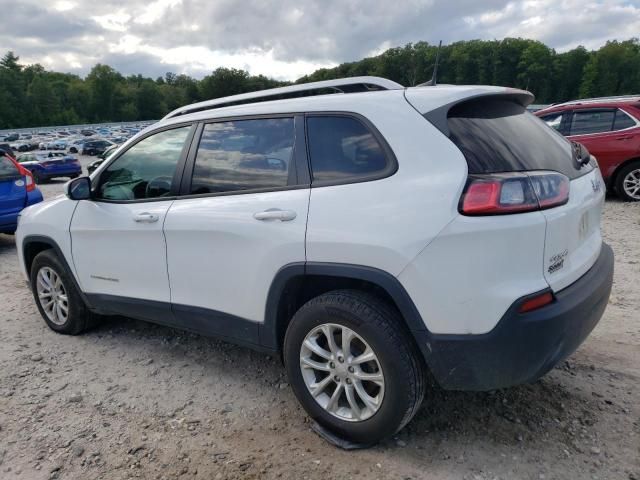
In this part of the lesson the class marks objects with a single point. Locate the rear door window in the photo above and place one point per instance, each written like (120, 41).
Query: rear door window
(244, 155)
(342, 148)
(8, 170)
(498, 135)
(622, 121)
(585, 122)
(554, 120)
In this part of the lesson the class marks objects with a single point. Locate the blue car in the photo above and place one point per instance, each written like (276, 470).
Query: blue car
(47, 165)
(17, 191)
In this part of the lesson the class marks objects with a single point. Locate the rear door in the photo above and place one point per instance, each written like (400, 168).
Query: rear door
(610, 134)
(13, 192)
(243, 218)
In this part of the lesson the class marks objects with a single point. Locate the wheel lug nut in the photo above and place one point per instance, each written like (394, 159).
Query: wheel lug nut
(341, 360)
(349, 381)
(336, 378)
(332, 365)
(351, 370)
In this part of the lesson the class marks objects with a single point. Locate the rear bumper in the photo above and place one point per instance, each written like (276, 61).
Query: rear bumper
(8, 222)
(522, 347)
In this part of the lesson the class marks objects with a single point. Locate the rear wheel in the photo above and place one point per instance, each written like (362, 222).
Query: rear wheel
(628, 182)
(38, 178)
(353, 367)
(57, 296)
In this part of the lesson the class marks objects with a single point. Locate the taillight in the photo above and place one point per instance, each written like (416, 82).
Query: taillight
(516, 192)
(28, 179)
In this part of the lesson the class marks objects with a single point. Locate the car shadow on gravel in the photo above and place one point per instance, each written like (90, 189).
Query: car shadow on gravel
(7, 242)
(507, 416)
(547, 413)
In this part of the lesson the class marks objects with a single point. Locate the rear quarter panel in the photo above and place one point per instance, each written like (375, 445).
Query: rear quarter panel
(385, 223)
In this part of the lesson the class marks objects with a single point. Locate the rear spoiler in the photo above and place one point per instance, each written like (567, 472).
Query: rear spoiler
(438, 117)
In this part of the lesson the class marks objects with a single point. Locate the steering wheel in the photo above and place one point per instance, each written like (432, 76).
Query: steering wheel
(117, 192)
(158, 187)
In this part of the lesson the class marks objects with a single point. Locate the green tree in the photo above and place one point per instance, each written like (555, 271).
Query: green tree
(102, 82)
(10, 62)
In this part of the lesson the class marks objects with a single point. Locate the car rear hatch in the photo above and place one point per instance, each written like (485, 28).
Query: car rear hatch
(573, 238)
(13, 191)
(508, 148)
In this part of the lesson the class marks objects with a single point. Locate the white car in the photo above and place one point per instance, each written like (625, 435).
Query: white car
(369, 236)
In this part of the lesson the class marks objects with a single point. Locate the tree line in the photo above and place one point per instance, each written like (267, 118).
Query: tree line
(33, 96)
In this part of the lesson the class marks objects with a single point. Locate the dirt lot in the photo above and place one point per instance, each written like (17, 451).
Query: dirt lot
(134, 400)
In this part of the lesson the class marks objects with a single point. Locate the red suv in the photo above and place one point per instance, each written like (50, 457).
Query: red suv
(610, 129)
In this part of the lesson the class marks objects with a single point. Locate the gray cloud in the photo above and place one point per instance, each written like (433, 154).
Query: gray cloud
(286, 38)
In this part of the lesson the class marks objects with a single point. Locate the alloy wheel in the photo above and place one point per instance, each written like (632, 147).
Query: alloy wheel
(52, 296)
(631, 184)
(342, 372)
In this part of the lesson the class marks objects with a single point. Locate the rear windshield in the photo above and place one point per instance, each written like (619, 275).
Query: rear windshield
(497, 135)
(8, 169)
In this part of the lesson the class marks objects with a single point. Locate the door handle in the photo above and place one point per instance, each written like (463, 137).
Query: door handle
(624, 138)
(146, 217)
(275, 214)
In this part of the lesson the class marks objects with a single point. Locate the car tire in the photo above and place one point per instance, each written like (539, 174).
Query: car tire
(38, 178)
(396, 373)
(628, 182)
(60, 289)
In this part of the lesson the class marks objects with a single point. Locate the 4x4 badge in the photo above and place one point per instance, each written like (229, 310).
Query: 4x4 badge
(557, 261)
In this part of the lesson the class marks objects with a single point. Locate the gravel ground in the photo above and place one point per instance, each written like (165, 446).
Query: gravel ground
(135, 400)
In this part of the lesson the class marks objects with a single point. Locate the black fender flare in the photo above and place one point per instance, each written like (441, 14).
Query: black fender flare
(30, 239)
(269, 331)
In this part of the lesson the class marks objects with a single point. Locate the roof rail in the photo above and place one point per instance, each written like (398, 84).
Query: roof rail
(615, 98)
(341, 85)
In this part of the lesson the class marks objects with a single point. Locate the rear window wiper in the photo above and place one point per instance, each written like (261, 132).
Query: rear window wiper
(582, 154)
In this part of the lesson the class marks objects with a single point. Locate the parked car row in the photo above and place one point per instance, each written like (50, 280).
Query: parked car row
(85, 141)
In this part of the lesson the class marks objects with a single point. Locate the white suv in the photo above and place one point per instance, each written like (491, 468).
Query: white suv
(367, 232)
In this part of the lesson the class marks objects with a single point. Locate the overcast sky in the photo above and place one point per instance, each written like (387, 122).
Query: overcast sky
(284, 39)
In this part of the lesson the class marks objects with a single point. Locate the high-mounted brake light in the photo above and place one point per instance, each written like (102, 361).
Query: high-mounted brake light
(517, 192)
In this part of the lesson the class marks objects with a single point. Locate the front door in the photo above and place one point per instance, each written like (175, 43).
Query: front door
(118, 246)
(244, 217)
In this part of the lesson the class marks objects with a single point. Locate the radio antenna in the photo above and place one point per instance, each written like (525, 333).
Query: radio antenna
(434, 78)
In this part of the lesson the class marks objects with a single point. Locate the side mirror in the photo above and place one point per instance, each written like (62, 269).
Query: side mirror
(79, 188)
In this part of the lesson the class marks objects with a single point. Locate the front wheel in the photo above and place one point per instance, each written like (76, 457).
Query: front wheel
(628, 182)
(353, 366)
(57, 296)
